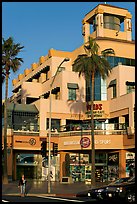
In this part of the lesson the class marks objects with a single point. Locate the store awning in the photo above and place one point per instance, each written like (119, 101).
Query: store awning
(72, 86)
(112, 83)
(46, 95)
(130, 83)
(29, 108)
(55, 90)
(37, 74)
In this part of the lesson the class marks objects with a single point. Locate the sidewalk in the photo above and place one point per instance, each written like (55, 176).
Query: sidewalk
(40, 187)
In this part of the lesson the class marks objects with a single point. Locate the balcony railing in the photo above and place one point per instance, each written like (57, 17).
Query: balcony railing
(88, 132)
(87, 126)
(73, 130)
(24, 127)
(85, 129)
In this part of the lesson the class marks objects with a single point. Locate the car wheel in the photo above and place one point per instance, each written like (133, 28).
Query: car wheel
(130, 197)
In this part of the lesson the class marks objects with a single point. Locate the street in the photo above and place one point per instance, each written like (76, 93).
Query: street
(40, 198)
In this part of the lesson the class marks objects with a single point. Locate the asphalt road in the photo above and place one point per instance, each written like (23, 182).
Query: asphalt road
(37, 198)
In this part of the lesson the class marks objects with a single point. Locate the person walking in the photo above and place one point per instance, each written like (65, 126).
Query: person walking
(22, 185)
(131, 170)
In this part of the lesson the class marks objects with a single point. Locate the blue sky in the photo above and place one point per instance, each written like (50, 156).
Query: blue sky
(40, 26)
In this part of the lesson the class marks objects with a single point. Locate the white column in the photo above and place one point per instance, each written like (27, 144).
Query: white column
(131, 117)
(128, 28)
(99, 25)
(86, 31)
(63, 122)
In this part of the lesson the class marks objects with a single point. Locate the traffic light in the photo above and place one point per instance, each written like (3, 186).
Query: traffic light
(43, 148)
(55, 149)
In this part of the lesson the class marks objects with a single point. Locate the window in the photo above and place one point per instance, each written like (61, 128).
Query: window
(56, 92)
(72, 91)
(103, 90)
(114, 91)
(130, 89)
(97, 88)
(25, 121)
(47, 75)
(116, 61)
(130, 86)
(57, 96)
(61, 69)
(132, 62)
(113, 61)
(72, 94)
(55, 124)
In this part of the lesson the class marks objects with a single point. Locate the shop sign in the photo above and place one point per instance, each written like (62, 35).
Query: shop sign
(113, 158)
(31, 141)
(130, 155)
(85, 142)
(71, 142)
(102, 141)
(99, 110)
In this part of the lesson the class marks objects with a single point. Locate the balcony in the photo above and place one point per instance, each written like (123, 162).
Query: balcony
(85, 129)
(28, 129)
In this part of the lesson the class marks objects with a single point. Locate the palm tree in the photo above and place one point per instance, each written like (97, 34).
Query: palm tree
(89, 65)
(10, 61)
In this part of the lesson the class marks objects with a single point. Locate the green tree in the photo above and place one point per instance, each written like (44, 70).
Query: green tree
(88, 65)
(10, 62)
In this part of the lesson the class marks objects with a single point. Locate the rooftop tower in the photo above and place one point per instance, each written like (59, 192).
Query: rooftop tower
(107, 21)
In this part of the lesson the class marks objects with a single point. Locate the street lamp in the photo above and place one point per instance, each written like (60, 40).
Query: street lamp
(49, 138)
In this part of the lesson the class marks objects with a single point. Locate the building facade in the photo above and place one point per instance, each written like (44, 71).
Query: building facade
(114, 108)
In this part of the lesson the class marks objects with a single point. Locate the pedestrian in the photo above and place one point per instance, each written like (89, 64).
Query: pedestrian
(131, 170)
(22, 185)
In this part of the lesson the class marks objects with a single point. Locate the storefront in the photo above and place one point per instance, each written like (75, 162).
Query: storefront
(80, 167)
(110, 156)
(29, 165)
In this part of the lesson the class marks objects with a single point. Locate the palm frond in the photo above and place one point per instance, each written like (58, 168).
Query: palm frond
(91, 63)
(10, 50)
(108, 51)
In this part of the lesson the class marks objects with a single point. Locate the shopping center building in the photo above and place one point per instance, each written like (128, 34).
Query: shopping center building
(114, 107)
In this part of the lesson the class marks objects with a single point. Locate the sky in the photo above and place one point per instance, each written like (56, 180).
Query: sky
(40, 26)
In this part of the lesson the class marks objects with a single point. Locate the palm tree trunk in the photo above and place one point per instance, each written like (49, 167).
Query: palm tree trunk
(5, 174)
(93, 181)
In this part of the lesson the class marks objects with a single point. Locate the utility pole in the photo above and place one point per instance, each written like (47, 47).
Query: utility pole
(49, 137)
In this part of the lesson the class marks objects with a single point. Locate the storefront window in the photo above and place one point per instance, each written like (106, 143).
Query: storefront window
(80, 167)
(130, 163)
(29, 164)
(113, 166)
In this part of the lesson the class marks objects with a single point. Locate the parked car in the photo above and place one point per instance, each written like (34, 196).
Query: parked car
(95, 193)
(124, 191)
(99, 193)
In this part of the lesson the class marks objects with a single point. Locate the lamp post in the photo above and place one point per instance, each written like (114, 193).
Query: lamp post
(49, 138)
